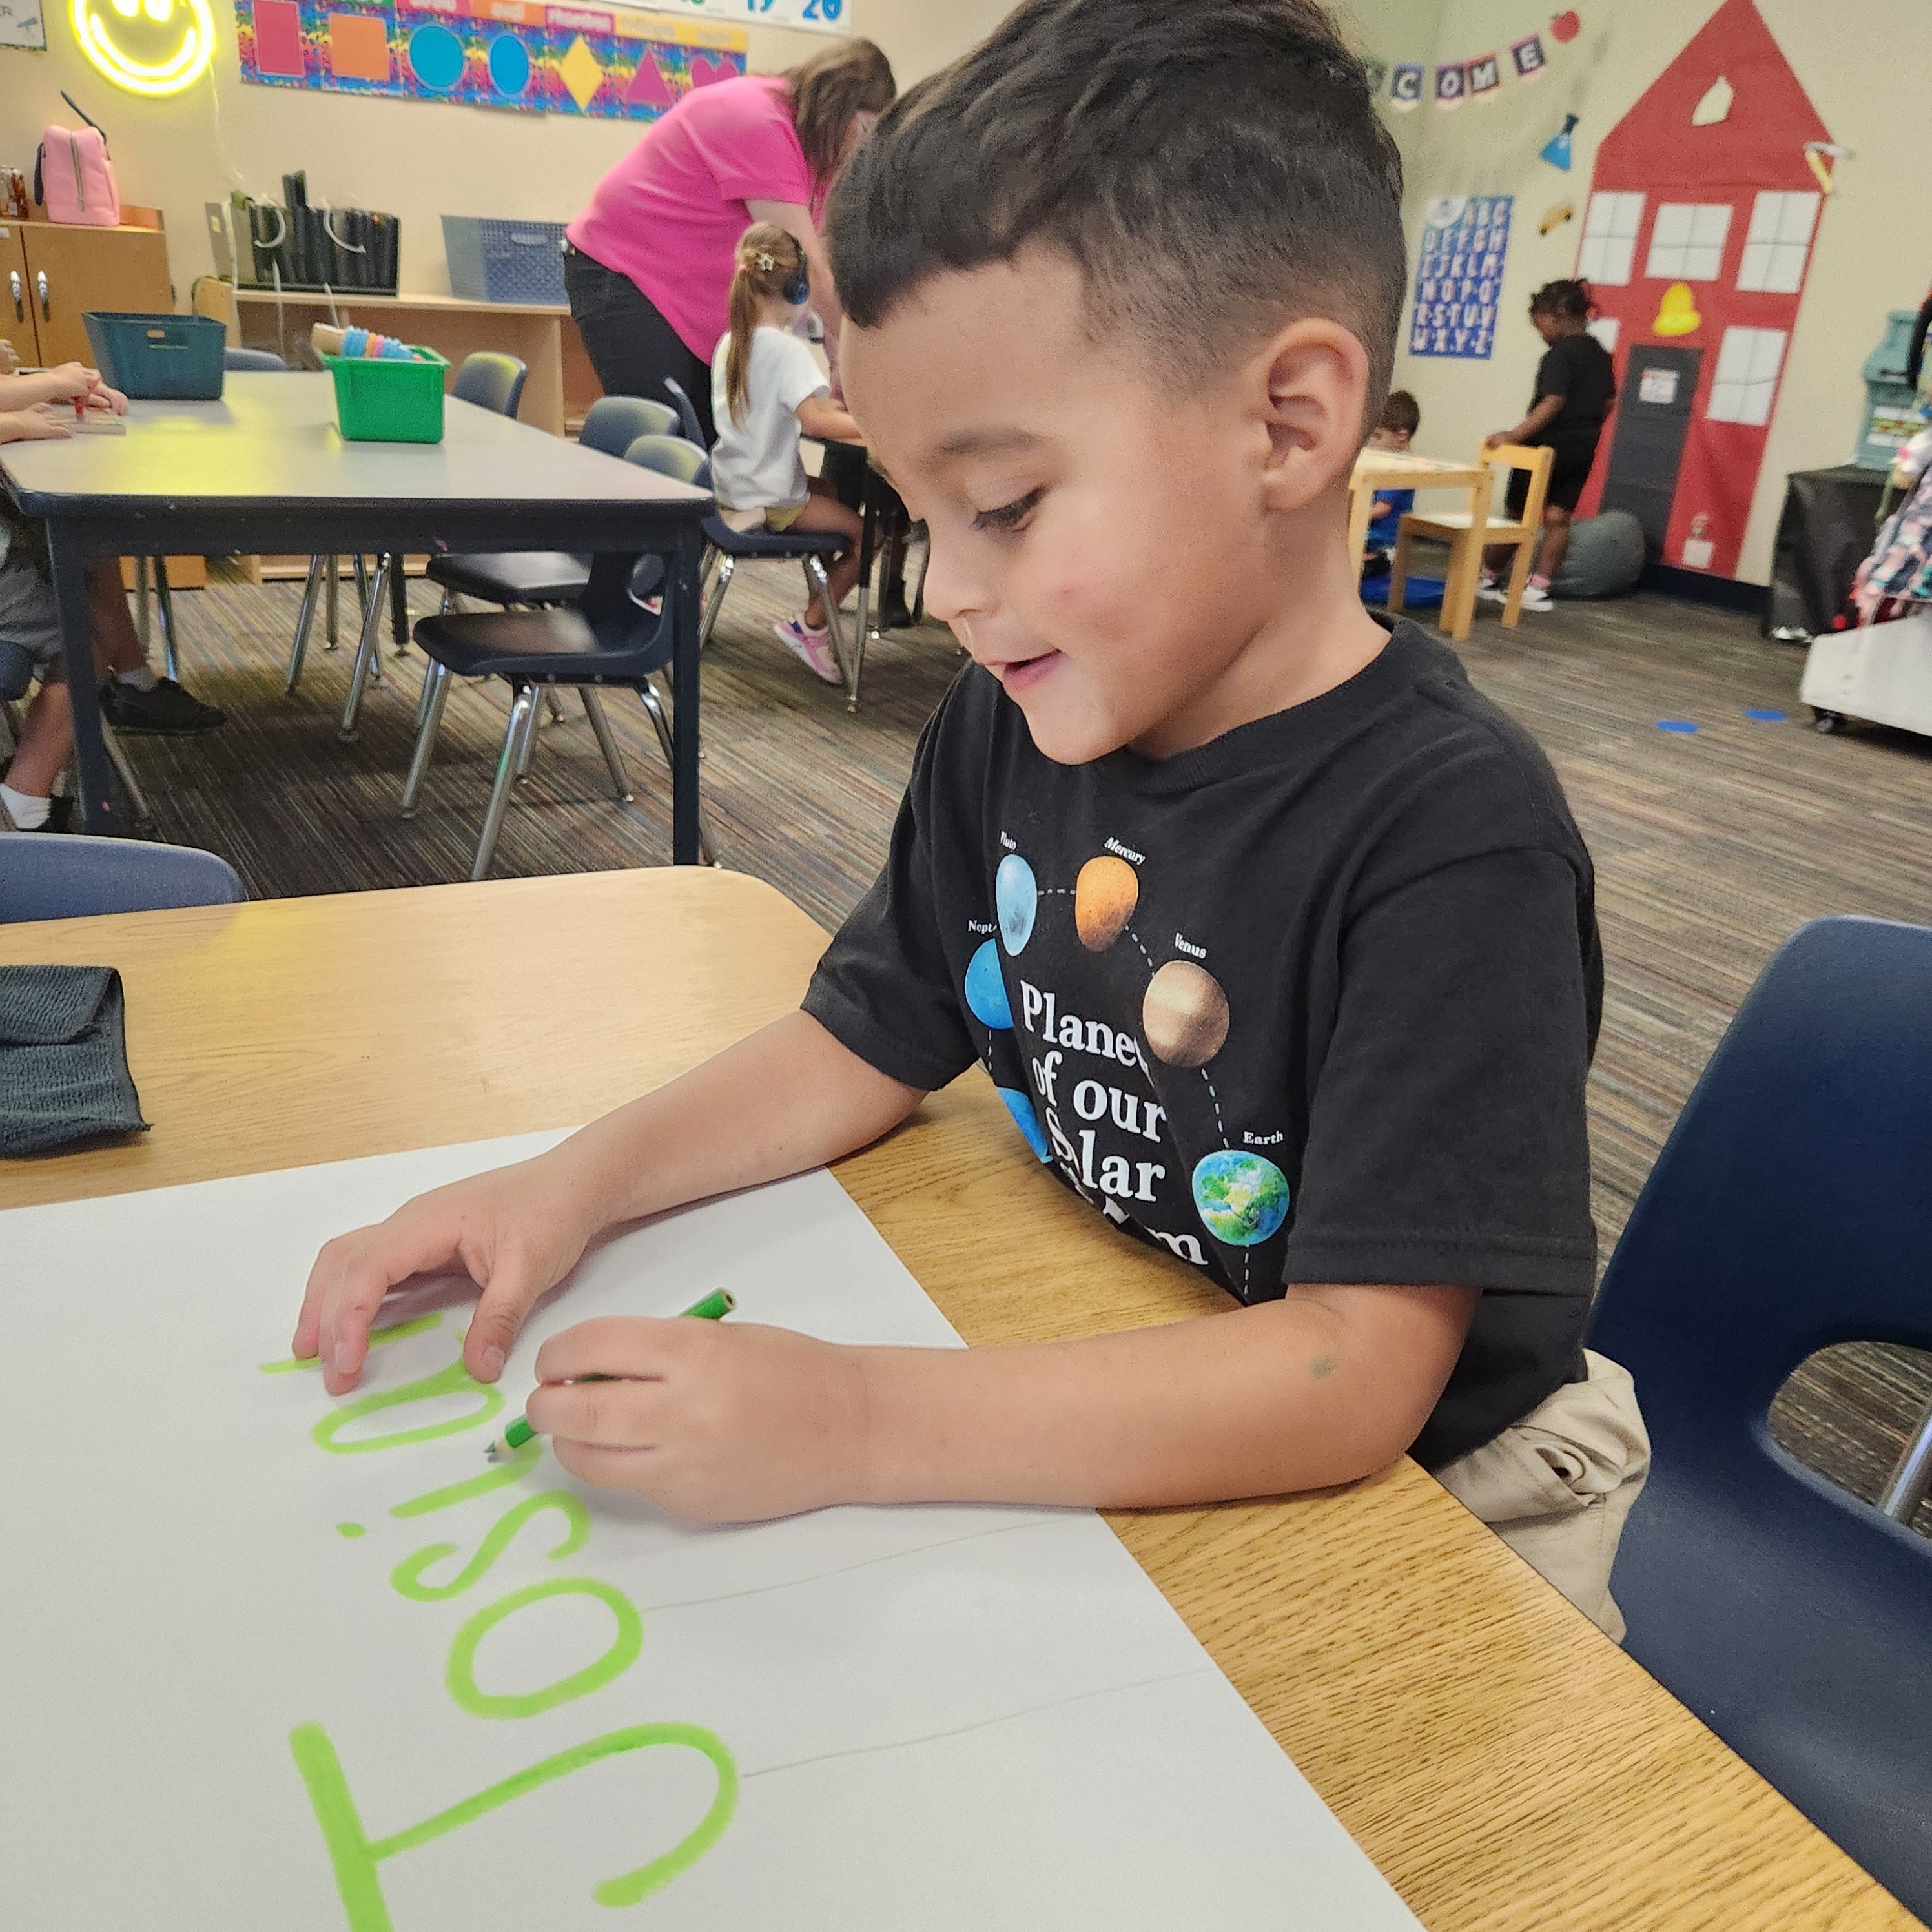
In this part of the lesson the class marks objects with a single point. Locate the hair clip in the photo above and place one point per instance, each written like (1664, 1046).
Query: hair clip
(767, 261)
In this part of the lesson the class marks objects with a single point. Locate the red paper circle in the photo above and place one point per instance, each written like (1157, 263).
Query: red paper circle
(1566, 26)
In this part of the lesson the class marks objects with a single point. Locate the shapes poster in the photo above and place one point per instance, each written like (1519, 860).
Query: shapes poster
(522, 56)
(1459, 276)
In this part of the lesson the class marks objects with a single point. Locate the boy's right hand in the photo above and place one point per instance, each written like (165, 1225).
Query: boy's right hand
(42, 423)
(516, 1232)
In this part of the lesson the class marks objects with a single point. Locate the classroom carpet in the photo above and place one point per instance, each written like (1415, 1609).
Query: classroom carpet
(1711, 845)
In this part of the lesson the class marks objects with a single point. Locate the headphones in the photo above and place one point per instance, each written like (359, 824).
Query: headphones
(797, 286)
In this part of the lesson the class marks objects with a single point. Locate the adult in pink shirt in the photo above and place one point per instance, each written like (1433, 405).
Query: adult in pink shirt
(649, 267)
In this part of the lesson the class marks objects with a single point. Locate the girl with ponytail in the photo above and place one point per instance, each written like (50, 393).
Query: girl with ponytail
(767, 390)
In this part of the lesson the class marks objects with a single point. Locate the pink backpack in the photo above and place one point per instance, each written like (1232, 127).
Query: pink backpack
(73, 179)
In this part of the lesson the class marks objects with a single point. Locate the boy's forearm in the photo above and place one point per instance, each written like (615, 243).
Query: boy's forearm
(1286, 1396)
(788, 1098)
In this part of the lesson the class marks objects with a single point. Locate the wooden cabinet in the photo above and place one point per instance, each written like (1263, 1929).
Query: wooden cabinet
(50, 275)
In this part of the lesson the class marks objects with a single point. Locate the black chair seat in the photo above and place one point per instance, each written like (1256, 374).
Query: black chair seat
(556, 646)
(513, 576)
(16, 670)
(773, 543)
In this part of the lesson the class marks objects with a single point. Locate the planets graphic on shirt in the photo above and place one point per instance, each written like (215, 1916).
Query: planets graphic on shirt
(1104, 897)
(985, 991)
(1241, 1198)
(1185, 1014)
(1021, 1107)
(1016, 899)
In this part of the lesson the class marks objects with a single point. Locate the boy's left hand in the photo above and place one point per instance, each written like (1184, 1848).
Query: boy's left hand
(45, 422)
(717, 1422)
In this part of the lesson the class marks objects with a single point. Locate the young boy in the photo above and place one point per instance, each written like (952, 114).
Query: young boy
(36, 407)
(1278, 939)
(1395, 429)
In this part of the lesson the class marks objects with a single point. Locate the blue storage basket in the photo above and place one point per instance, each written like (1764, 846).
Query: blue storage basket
(504, 261)
(155, 357)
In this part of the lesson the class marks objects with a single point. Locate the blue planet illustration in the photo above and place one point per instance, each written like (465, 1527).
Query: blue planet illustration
(985, 991)
(1016, 898)
(1241, 1198)
(1026, 1120)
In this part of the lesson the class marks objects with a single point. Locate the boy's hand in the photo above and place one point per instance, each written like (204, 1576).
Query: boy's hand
(9, 357)
(717, 1422)
(101, 396)
(70, 382)
(515, 1232)
(42, 424)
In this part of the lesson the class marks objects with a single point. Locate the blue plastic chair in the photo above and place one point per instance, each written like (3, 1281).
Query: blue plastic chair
(1790, 1210)
(69, 876)
(261, 360)
(491, 380)
(687, 411)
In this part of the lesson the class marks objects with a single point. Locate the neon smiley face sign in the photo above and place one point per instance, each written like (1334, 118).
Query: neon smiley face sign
(155, 47)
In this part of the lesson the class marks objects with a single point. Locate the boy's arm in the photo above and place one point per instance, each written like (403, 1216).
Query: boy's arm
(818, 416)
(71, 383)
(788, 1098)
(38, 425)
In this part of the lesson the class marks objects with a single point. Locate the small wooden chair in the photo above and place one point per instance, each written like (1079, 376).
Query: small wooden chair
(1467, 544)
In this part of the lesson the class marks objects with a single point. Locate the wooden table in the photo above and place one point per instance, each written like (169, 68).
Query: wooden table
(1378, 469)
(1508, 1768)
(265, 469)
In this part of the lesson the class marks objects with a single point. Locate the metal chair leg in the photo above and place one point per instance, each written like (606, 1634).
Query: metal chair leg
(648, 696)
(143, 811)
(526, 750)
(299, 649)
(553, 703)
(399, 605)
(925, 564)
(1913, 1477)
(164, 597)
(521, 714)
(852, 664)
(330, 586)
(368, 650)
(715, 602)
(593, 710)
(143, 616)
(429, 721)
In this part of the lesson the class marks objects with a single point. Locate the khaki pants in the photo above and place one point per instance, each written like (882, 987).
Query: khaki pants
(1557, 1487)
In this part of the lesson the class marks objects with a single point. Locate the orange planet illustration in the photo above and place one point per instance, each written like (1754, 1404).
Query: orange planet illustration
(1104, 897)
(1185, 1014)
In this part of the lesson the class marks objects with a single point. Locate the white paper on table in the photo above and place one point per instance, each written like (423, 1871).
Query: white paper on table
(936, 1717)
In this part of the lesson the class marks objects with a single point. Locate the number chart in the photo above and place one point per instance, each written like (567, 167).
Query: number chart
(277, 1659)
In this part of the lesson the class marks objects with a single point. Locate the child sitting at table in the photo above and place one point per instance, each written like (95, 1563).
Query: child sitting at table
(1276, 937)
(1400, 418)
(35, 407)
(766, 387)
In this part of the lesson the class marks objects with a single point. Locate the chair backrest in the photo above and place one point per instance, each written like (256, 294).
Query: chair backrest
(491, 380)
(1537, 459)
(62, 876)
(670, 456)
(613, 423)
(1788, 1210)
(252, 358)
(687, 410)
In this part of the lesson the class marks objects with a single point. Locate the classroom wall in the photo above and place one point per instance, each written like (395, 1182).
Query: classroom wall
(1874, 247)
(417, 160)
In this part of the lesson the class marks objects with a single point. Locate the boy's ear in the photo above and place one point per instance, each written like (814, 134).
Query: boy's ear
(1310, 383)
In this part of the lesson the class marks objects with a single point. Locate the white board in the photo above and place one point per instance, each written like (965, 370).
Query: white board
(931, 1717)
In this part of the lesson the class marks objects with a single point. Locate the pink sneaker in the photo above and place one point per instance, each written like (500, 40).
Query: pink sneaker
(813, 648)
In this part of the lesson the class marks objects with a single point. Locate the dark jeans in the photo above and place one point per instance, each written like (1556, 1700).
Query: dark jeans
(630, 344)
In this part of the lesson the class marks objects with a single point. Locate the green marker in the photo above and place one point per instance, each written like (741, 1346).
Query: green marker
(715, 1306)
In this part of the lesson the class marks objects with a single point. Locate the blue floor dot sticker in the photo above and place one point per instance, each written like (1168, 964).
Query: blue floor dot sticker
(1683, 726)
(1021, 1107)
(986, 992)
(1766, 717)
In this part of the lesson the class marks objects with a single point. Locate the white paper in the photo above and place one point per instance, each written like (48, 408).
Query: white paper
(936, 1717)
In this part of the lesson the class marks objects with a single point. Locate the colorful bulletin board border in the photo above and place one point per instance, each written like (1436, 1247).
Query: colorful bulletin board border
(1459, 276)
(523, 55)
(825, 16)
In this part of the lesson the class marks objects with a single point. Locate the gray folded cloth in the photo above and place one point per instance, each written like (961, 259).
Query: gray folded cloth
(63, 1075)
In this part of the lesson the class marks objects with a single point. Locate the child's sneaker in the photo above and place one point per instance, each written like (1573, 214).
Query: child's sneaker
(1535, 598)
(813, 648)
(1489, 591)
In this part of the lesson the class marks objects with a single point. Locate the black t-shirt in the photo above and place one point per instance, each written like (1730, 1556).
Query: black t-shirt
(1313, 1003)
(1577, 368)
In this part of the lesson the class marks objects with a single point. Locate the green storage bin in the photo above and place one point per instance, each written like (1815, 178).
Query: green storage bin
(378, 401)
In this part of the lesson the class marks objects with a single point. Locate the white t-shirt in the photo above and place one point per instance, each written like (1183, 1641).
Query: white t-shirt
(755, 463)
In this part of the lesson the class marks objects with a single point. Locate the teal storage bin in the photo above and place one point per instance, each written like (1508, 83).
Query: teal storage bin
(157, 357)
(1892, 409)
(380, 401)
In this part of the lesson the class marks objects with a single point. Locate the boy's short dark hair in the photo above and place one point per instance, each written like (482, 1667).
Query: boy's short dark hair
(1402, 413)
(1214, 168)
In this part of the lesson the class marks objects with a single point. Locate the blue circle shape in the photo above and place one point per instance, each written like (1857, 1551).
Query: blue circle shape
(509, 64)
(1021, 1107)
(986, 992)
(1241, 1198)
(436, 57)
(1016, 898)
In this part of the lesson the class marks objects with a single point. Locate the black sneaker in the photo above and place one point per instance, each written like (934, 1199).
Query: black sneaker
(166, 711)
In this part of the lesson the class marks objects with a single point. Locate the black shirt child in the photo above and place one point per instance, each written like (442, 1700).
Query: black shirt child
(1313, 1003)
(1579, 369)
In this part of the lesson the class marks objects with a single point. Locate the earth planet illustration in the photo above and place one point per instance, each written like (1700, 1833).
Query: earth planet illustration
(1242, 1199)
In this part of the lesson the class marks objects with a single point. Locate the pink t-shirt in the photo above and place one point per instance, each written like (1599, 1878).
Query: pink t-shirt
(669, 214)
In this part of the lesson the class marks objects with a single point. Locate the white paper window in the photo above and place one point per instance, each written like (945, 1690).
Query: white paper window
(1687, 242)
(1748, 361)
(1609, 238)
(1604, 329)
(1779, 240)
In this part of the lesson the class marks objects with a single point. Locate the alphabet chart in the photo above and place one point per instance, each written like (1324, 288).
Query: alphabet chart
(273, 1658)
